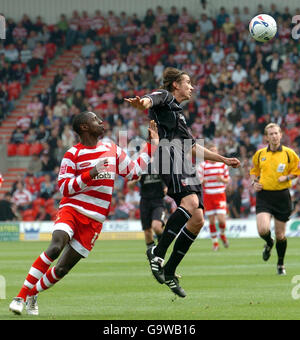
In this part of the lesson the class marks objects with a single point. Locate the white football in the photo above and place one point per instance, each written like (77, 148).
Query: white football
(263, 27)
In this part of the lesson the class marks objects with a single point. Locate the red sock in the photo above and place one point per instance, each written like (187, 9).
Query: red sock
(222, 227)
(47, 281)
(213, 233)
(222, 233)
(38, 269)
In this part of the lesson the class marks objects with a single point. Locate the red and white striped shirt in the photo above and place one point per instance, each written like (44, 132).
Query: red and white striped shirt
(209, 172)
(92, 197)
(97, 22)
(21, 197)
(24, 123)
(63, 88)
(19, 33)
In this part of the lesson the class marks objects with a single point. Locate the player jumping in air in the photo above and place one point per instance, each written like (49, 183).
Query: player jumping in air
(183, 186)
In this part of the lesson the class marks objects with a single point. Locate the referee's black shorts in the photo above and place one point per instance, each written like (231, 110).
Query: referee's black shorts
(276, 202)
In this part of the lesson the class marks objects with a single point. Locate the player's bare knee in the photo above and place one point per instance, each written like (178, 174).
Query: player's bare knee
(211, 219)
(222, 219)
(58, 242)
(194, 228)
(200, 222)
(61, 271)
(263, 227)
(157, 226)
(279, 236)
(54, 250)
(196, 223)
(191, 205)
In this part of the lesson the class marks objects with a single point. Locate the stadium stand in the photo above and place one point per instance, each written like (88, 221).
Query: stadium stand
(94, 62)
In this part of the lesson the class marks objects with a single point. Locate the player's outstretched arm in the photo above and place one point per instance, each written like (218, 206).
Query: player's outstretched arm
(139, 103)
(213, 156)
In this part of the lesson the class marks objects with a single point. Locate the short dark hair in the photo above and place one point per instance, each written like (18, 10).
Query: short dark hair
(81, 118)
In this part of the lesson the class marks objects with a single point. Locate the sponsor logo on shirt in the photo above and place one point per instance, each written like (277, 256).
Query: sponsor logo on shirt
(85, 164)
(105, 175)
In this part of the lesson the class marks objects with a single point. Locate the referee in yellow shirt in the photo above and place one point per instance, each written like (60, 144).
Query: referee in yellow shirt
(273, 169)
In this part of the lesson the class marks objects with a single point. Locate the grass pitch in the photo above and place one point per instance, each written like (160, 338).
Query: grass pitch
(114, 283)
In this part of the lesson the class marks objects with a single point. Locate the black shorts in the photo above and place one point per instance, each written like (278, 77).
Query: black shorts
(152, 209)
(277, 203)
(179, 196)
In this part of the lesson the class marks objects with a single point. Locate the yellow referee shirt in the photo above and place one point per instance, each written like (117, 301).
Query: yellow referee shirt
(270, 165)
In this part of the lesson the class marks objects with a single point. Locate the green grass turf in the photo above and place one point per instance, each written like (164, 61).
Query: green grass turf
(114, 283)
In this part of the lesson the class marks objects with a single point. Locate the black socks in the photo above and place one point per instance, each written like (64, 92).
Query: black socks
(267, 237)
(174, 224)
(182, 244)
(281, 246)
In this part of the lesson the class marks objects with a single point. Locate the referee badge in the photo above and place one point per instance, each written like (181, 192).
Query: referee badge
(281, 167)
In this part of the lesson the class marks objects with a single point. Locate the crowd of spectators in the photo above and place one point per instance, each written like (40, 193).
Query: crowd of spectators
(24, 53)
(240, 86)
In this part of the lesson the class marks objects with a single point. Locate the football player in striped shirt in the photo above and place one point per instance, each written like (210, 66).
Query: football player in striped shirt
(86, 181)
(215, 176)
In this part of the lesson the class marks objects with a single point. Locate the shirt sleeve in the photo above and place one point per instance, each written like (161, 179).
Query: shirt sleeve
(159, 97)
(294, 168)
(255, 169)
(226, 172)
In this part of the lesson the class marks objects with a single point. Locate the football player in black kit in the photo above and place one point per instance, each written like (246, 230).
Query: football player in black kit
(152, 206)
(184, 187)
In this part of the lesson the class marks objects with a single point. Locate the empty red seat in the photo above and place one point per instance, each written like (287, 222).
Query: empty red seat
(11, 150)
(23, 150)
(28, 215)
(51, 210)
(38, 203)
(35, 149)
(49, 203)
